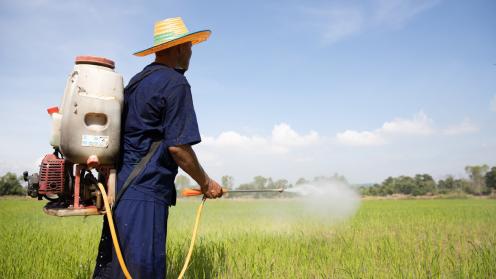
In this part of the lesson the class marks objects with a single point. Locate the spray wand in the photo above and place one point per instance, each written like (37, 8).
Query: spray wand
(188, 192)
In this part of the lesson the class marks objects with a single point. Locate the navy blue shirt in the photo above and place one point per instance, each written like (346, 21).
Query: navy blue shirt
(157, 107)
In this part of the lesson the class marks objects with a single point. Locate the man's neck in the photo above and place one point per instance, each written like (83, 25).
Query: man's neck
(167, 61)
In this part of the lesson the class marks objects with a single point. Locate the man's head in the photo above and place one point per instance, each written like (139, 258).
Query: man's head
(177, 57)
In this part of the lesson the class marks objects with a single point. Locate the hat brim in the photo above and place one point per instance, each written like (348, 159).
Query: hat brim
(194, 38)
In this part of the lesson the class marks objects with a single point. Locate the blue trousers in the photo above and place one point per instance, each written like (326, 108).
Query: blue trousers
(142, 230)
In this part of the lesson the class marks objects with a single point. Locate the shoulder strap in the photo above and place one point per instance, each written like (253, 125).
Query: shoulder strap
(140, 77)
(137, 170)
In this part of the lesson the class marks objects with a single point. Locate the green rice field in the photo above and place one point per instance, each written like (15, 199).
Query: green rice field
(444, 238)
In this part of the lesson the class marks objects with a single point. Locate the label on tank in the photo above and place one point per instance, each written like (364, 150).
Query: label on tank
(95, 141)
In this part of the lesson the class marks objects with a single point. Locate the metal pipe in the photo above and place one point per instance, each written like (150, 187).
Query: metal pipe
(280, 190)
(187, 192)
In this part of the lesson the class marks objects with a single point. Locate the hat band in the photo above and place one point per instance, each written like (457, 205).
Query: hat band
(165, 37)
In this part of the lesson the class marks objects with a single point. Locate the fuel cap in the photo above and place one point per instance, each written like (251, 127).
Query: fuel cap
(95, 60)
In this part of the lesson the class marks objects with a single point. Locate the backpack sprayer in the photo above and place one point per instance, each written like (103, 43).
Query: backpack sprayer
(76, 177)
(86, 141)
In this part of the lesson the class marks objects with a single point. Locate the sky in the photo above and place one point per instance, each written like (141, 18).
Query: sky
(286, 89)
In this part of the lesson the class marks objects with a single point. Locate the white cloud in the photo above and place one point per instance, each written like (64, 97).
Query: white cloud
(465, 127)
(364, 138)
(282, 139)
(419, 125)
(493, 103)
(283, 135)
(232, 138)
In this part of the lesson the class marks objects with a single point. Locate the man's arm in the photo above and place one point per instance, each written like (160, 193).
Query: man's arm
(186, 159)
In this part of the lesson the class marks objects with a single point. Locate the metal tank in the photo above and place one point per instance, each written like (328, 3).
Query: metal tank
(91, 109)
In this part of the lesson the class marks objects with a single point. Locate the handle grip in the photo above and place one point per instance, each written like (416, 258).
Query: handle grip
(188, 192)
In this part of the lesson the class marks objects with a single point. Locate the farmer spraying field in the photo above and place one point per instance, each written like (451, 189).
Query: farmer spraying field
(309, 98)
(128, 143)
(159, 123)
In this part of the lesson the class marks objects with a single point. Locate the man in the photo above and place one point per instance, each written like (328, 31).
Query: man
(159, 122)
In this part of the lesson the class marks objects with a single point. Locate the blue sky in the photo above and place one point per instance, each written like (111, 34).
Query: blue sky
(286, 89)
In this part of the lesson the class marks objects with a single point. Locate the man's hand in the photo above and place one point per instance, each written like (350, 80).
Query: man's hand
(212, 189)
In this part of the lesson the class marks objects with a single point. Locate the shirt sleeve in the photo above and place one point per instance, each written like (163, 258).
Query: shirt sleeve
(180, 124)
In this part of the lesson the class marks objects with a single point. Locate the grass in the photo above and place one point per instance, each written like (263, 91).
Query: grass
(273, 239)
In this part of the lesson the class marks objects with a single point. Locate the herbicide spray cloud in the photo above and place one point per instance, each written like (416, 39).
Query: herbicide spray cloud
(326, 199)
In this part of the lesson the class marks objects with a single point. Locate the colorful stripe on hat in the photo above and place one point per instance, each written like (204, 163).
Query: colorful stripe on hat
(168, 30)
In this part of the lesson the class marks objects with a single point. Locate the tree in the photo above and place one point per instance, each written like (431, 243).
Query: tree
(476, 174)
(336, 178)
(280, 183)
(406, 185)
(301, 181)
(227, 182)
(425, 184)
(339, 178)
(10, 185)
(490, 178)
(246, 186)
(182, 181)
(388, 187)
(260, 182)
(374, 190)
(447, 184)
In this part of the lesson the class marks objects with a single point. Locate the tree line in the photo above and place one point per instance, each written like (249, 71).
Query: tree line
(481, 181)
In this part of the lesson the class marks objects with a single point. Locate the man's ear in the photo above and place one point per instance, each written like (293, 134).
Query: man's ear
(181, 48)
(178, 49)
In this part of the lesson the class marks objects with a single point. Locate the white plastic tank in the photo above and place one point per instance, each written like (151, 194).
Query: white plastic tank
(91, 112)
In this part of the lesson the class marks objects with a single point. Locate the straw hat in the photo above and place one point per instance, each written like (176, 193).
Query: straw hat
(172, 32)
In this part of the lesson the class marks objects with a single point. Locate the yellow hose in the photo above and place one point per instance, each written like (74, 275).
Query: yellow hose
(112, 232)
(116, 242)
(193, 238)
